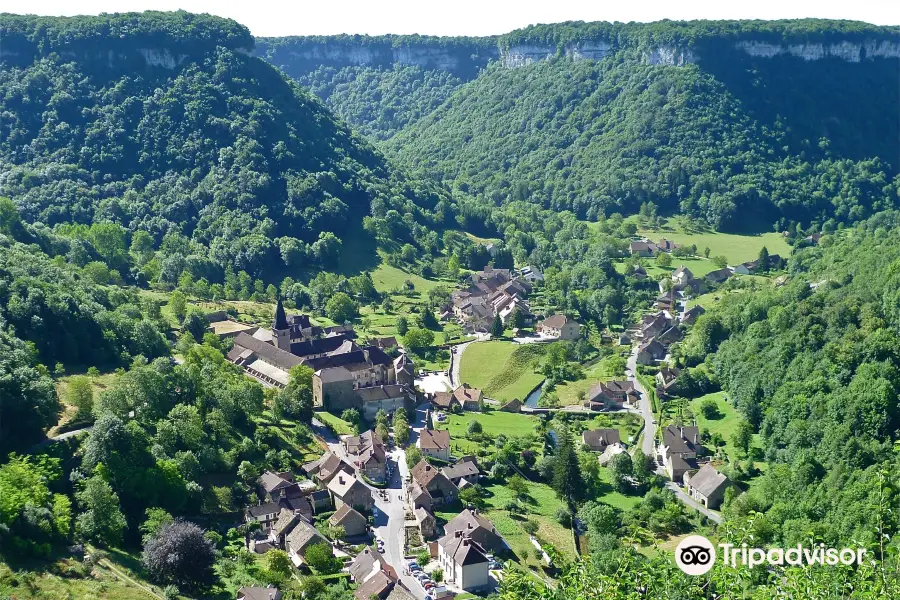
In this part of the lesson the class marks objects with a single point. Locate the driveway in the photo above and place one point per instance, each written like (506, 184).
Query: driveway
(688, 501)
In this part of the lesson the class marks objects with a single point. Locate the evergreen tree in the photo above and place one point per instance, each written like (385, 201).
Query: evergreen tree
(497, 327)
(762, 262)
(567, 480)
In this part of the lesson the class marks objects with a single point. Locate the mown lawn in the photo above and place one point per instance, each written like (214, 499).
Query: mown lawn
(605, 369)
(341, 426)
(736, 248)
(612, 497)
(503, 370)
(493, 423)
(725, 425)
(387, 278)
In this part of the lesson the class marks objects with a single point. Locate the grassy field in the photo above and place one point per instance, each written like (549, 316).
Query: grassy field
(493, 422)
(341, 426)
(725, 425)
(614, 498)
(736, 248)
(116, 578)
(99, 383)
(503, 370)
(387, 278)
(607, 368)
(628, 424)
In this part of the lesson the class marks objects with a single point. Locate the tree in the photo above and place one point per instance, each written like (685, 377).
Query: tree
(530, 526)
(401, 430)
(720, 261)
(96, 272)
(743, 435)
(518, 487)
(497, 327)
(429, 321)
(413, 457)
(180, 554)
(154, 521)
(101, 520)
(278, 565)
(381, 429)
(518, 318)
(195, 323)
(706, 252)
(319, 557)
(178, 305)
(340, 308)
(762, 261)
(295, 400)
(471, 496)
(402, 326)
(567, 481)
(663, 259)
(354, 417)
(474, 429)
(417, 339)
(710, 408)
(80, 394)
(622, 469)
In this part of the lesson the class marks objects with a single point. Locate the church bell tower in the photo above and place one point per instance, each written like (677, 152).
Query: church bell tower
(281, 331)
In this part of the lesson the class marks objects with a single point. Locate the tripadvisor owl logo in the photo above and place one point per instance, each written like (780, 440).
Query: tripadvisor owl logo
(695, 555)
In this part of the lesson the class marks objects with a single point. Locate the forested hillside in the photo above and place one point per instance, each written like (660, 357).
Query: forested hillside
(739, 123)
(380, 84)
(162, 123)
(814, 367)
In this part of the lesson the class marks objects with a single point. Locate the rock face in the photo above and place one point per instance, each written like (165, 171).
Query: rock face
(845, 50)
(301, 55)
(669, 55)
(524, 54)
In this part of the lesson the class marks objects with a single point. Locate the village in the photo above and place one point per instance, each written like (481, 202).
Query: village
(379, 503)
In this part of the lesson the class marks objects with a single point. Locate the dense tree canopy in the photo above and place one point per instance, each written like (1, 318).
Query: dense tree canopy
(816, 372)
(215, 149)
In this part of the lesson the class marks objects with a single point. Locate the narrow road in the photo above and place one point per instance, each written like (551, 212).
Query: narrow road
(456, 353)
(644, 406)
(391, 521)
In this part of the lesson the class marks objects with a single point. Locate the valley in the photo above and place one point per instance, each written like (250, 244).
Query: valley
(335, 317)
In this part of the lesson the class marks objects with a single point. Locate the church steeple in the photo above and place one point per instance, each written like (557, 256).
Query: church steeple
(280, 317)
(281, 331)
